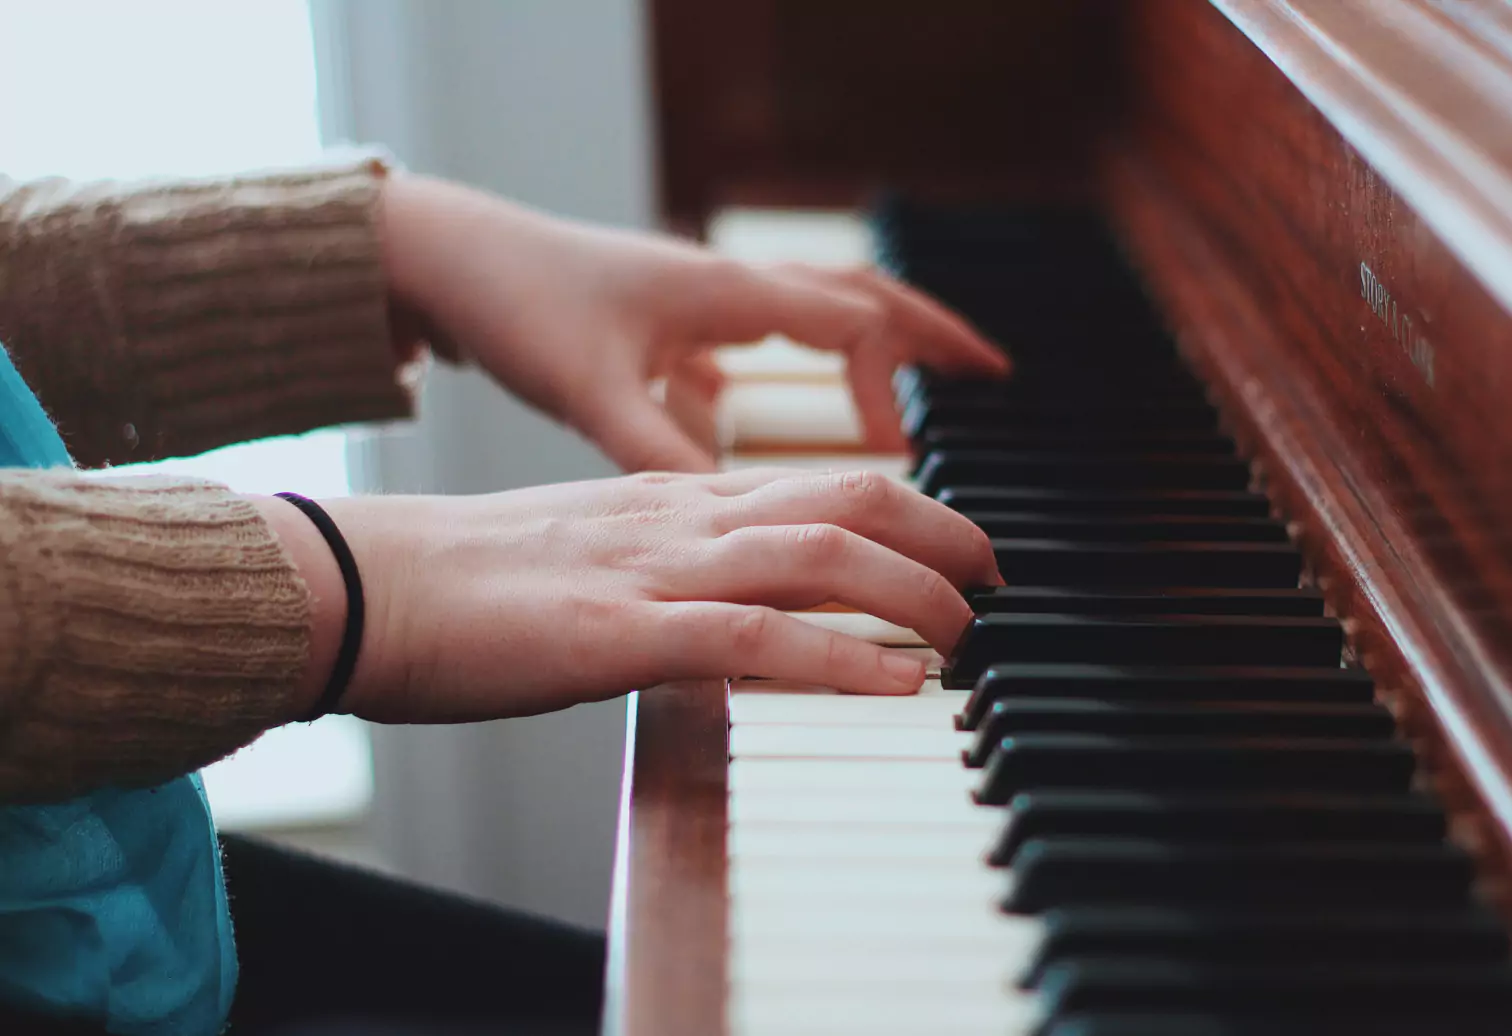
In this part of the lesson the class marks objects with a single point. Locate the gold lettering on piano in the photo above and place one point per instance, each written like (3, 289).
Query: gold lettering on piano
(1413, 342)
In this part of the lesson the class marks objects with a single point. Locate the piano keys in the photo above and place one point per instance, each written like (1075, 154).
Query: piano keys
(877, 884)
(1232, 752)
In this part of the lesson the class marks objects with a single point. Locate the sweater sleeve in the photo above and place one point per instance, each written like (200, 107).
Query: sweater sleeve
(162, 319)
(148, 626)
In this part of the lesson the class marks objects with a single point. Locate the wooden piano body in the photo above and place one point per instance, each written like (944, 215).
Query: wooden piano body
(1317, 194)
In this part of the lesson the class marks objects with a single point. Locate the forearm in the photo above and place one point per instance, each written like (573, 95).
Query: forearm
(147, 628)
(164, 319)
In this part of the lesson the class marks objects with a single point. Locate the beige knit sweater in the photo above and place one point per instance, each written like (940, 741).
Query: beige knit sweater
(149, 626)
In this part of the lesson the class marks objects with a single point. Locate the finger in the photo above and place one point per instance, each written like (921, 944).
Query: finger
(747, 303)
(700, 371)
(931, 332)
(738, 481)
(691, 406)
(880, 509)
(869, 371)
(794, 567)
(638, 435)
(743, 480)
(707, 640)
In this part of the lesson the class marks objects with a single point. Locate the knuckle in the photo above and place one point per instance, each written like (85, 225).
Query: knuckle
(748, 630)
(727, 277)
(935, 588)
(597, 618)
(654, 479)
(836, 654)
(871, 316)
(817, 545)
(862, 490)
(866, 500)
(720, 519)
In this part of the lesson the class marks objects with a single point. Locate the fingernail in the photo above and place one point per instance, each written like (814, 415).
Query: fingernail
(903, 669)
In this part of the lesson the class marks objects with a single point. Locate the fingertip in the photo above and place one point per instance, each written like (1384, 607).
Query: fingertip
(990, 356)
(904, 672)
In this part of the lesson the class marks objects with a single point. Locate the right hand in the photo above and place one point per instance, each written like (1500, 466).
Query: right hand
(533, 600)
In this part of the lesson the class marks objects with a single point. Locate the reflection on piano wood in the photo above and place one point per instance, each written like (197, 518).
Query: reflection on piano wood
(1232, 753)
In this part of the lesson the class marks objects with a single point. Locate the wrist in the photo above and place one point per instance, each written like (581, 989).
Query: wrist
(411, 207)
(321, 575)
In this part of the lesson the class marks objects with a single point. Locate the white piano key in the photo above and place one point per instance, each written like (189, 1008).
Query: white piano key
(922, 956)
(864, 627)
(862, 776)
(841, 842)
(794, 741)
(876, 925)
(880, 1009)
(810, 807)
(806, 958)
(776, 413)
(859, 898)
(961, 885)
(931, 711)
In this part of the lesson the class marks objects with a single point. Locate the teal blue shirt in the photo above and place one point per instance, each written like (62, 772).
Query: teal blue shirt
(112, 906)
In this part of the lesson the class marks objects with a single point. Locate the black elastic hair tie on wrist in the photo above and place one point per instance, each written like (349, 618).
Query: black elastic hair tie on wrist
(351, 637)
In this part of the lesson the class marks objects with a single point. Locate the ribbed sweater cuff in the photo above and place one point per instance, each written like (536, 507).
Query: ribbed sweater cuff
(169, 318)
(148, 626)
(260, 306)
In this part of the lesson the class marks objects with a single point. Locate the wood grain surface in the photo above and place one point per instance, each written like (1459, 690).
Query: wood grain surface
(1361, 358)
(793, 102)
(666, 969)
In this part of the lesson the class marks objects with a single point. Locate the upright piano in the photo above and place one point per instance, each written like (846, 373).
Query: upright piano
(1231, 753)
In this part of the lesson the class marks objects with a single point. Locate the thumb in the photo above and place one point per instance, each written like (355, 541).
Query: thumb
(638, 435)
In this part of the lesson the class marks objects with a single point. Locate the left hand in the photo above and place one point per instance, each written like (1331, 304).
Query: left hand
(580, 320)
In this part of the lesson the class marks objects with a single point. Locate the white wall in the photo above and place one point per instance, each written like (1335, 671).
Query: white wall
(546, 101)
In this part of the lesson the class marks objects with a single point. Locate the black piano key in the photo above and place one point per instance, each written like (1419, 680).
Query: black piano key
(1093, 438)
(1105, 501)
(1053, 470)
(1039, 386)
(1042, 393)
(1462, 936)
(1156, 683)
(1148, 1023)
(1383, 992)
(1182, 600)
(1023, 525)
(1198, 415)
(1011, 717)
(1195, 815)
(1038, 761)
(1033, 380)
(1033, 375)
(1188, 640)
(1060, 873)
(1159, 683)
(1068, 563)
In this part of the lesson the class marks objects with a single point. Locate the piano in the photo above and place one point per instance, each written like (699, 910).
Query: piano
(1231, 753)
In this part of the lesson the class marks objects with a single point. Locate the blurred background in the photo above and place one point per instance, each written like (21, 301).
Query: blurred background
(547, 101)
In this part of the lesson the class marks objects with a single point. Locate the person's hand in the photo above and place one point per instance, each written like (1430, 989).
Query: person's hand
(580, 321)
(538, 599)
